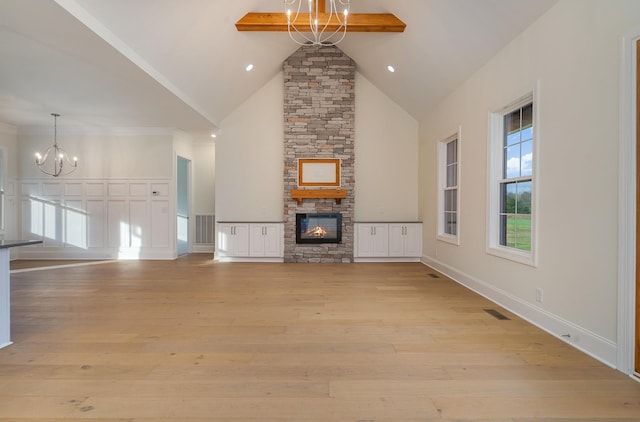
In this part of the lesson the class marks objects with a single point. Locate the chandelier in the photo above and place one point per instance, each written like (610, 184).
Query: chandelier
(317, 26)
(55, 161)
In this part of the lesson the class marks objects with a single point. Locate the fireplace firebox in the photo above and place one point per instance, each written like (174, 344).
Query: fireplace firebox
(319, 228)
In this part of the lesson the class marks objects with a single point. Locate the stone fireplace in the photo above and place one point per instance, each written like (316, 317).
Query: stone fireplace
(319, 111)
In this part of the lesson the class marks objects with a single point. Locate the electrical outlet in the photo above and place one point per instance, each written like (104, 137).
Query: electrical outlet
(539, 295)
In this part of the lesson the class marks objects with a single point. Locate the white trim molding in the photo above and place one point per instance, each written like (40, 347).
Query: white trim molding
(627, 204)
(97, 218)
(582, 339)
(494, 175)
(442, 181)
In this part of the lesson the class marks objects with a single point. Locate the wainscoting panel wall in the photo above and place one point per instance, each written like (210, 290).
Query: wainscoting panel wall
(97, 219)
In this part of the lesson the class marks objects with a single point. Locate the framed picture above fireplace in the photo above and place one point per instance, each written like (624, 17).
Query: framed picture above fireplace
(319, 172)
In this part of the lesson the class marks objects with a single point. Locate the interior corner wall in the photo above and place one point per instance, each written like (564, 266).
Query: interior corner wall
(249, 167)
(573, 53)
(204, 165)
(386, 150)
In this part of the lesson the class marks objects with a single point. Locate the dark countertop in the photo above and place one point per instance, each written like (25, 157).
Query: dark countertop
(6, 244)
(388, 222)
(251, 222)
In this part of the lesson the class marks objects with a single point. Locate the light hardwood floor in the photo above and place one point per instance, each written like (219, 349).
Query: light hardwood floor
(193, 340)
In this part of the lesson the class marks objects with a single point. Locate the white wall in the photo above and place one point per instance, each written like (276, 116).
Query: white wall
(386, 163)
(119, 154)
(249, 158)
(204, 167)
(573, 52)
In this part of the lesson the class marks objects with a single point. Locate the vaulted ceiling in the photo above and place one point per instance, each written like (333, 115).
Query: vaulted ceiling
(181, 63)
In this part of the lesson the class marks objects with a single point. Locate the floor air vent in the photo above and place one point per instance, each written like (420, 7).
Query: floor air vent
(496, 314)
(432, 275)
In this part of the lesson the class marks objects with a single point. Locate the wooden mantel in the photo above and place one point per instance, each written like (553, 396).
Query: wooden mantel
(300, 194)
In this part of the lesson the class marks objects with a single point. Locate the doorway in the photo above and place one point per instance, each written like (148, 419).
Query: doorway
(183, 172)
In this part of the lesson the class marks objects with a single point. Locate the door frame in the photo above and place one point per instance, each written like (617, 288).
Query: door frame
(187, 161)
(627, 206)
(637, 143)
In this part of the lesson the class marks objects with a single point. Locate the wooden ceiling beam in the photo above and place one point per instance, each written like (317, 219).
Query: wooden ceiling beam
(357, 22)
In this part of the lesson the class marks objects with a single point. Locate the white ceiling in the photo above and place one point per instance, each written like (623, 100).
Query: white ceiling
(180, 63)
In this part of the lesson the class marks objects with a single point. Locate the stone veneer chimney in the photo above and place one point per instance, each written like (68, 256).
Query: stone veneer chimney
(319, 110)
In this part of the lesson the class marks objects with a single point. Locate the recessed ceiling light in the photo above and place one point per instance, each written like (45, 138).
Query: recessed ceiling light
(249, 68)
(391, 69)
(213, 135)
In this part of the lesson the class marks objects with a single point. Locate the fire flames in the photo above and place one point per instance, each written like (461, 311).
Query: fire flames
(317, 231)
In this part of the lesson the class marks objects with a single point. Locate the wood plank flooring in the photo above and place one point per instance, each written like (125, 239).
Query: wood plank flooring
(193, 340)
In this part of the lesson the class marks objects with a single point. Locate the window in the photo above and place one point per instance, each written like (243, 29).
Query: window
(448, 191)
(511, 202)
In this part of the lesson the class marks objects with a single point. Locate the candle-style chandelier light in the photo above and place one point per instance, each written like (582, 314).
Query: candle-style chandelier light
(319, 24)
(55, 161)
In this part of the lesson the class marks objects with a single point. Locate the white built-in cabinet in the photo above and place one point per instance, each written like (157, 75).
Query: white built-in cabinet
(265, 239)
(388, 241)
(233, 239)
(250, 241)
(405, 239)
(372, 239)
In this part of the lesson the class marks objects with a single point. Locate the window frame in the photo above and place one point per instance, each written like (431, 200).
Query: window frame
(496, 180)
(3, 178)
(441, 233)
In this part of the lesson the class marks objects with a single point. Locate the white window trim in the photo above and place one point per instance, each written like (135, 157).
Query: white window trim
(442, 177)
(3, 181)
(494, 174)
(627, 206)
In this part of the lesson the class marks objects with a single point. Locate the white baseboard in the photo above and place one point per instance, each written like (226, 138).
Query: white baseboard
(385, 259)
(80, 254)
(203, 248)
(582, 339)
(222, 258)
